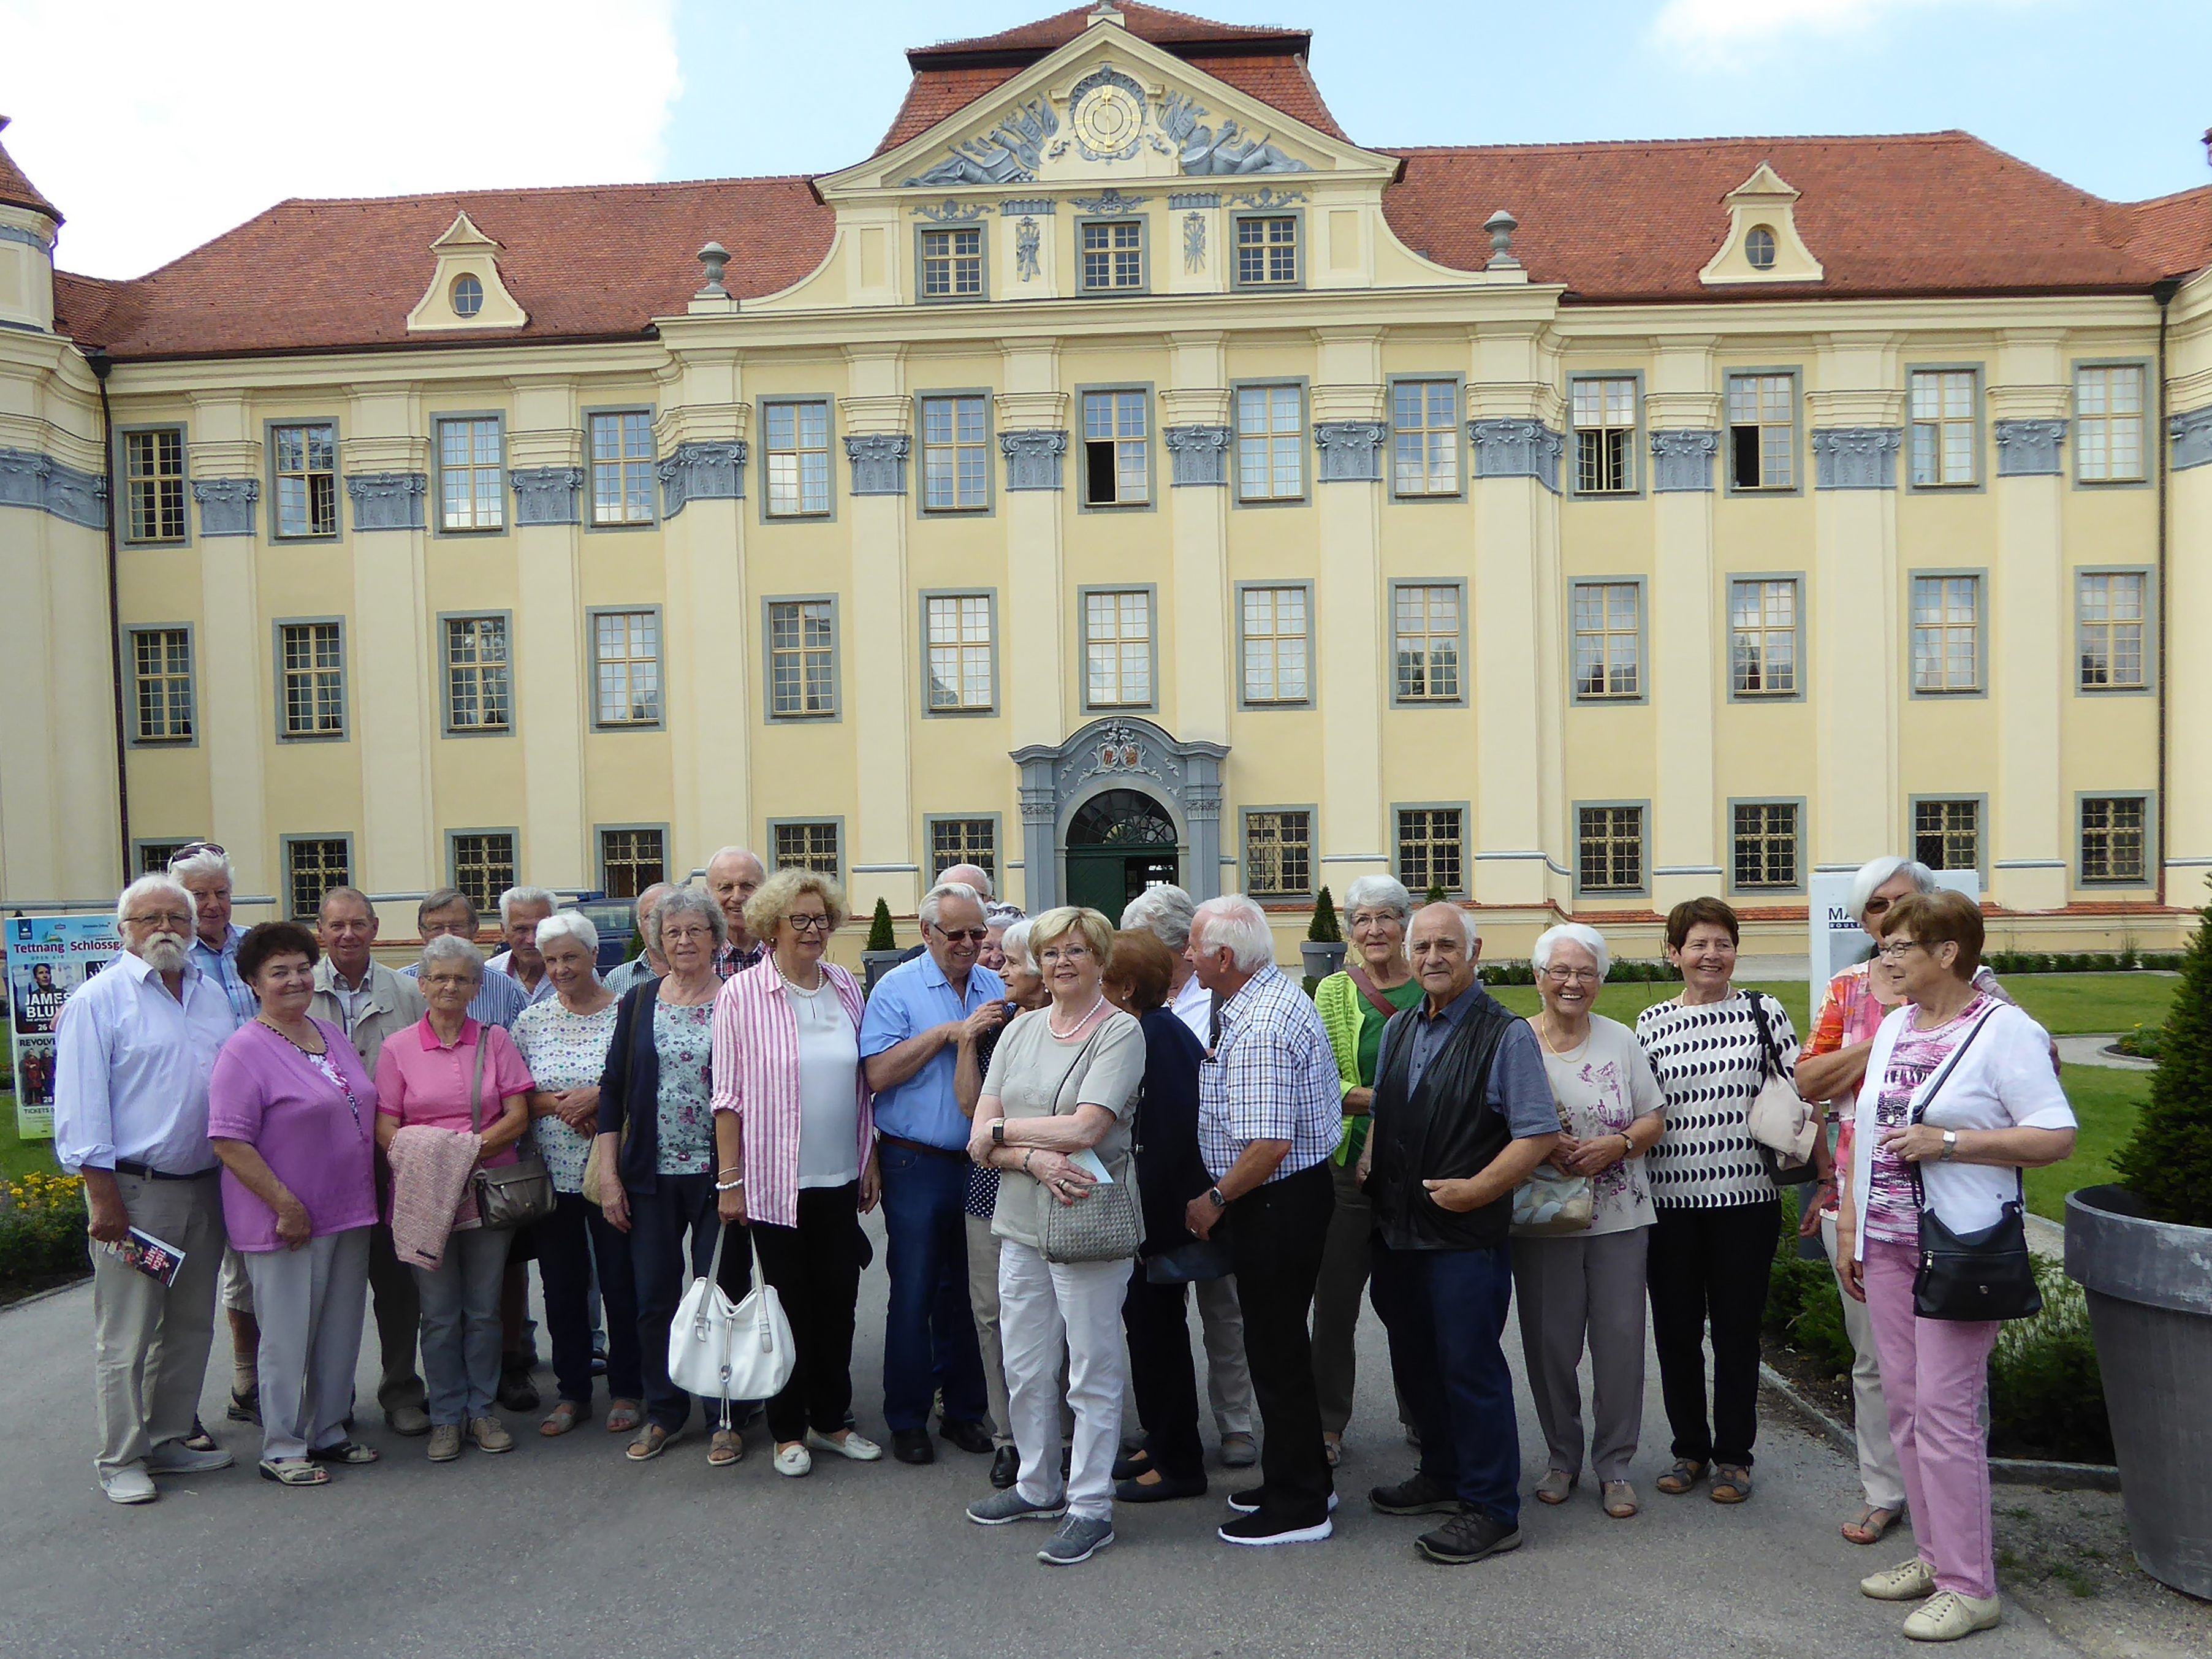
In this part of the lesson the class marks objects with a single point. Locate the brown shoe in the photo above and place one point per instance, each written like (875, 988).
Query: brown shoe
(445, 1442)
(489, 1435)
(1683, 1477)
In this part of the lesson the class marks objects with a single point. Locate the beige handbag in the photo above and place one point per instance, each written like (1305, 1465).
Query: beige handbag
(1781, 1123)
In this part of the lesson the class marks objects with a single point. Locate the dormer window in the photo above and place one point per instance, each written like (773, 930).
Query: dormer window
(1764, 242)
(468, 296)
(952, 264)
(1758, 248)
(465, 291)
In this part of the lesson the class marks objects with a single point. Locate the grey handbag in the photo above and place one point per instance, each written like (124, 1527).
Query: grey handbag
(514, 1194)
(1105, 1224)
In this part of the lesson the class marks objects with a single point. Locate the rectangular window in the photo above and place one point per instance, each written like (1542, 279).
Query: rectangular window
(626, 667)
(802, 658)
(1946, 654)
(1425, 438)
(1608, 640)
(1942, 426)
(1763, 638)
(1609, 844)
(807, 847)
(2110, 627)
(1762, 431)
(956, 463)
(306, 479)
(631, 860)
(964, 840)
(472, 483)
(154, 856)
(2108, 424)
(1113, 256)
(1429, 849)
(798, 460)
(484, 867)
(621, 467)
(1270, 443)
(959, 652)
(952, 264)
(313, 675)
(312, 866)
(1426, 643)
(1279, 854)
(1268, 252)
(162, 675)
(1117, 649)
(1605, 436)
(1765, 844)
(2112, 846)
(1276, 645)
(478, 698)
(1116, 452)
(1947, 834)
(153, 475)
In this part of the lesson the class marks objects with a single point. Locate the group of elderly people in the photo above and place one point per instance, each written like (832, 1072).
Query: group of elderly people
(1064, 1136)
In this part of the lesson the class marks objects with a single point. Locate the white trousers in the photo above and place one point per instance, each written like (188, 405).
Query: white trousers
(1042, 1305)
(1880, 1476)
(312, 1301)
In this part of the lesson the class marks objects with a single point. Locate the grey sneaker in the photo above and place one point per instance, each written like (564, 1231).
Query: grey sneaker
(174, 1457)
(445, 1442)
(1079, 1538)
(1000, 1507)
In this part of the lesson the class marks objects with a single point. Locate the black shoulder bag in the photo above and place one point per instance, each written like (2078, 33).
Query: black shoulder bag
(1982, 1275)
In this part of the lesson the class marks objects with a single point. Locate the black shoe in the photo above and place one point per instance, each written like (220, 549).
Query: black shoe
(517, 1393)
(1468, 1536)
(1005, 1467)
(968, 1436)
(1165, 1490)
(1253, 1499)
(912, 1446)
(1134, 1460)
(244, 1407)
(1274, 1527)
(1416, 1495)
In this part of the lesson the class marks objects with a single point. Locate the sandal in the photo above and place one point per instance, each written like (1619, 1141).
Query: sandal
(562, 1418)
(349, 1452)
(652, 1441)
(1620, 1499)
(1731, 1483)
(623, 1416)
(1332, 1446)
(1683, 1477)
(295, 1472)
(1869, 1530)
(724, 1449)
(199, 1439)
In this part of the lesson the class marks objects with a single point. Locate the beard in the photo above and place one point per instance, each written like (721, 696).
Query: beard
(164, 953)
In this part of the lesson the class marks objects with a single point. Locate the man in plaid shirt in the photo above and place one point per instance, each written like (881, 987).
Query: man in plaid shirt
(1270, 1112)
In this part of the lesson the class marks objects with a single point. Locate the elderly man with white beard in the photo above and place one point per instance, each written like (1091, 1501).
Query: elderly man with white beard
(132, 1052)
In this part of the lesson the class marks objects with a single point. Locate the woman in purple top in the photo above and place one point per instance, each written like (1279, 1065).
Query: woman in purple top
(291, 1115)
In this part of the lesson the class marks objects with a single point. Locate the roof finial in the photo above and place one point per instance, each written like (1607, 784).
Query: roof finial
(715, 257)
(1105, 12)
(1501, 224)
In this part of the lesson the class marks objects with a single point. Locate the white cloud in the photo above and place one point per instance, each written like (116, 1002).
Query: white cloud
(154, 126)
(1715, 29)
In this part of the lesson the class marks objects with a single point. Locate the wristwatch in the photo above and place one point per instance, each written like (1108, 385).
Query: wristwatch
(1220, 1202)
(1950, 1144)
(998, 1132)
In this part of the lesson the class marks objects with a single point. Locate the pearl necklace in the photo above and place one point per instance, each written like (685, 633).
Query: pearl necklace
(1080, 1024)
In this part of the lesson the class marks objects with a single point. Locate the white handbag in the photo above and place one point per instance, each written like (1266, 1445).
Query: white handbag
(723, 1350)
(1781, 1122)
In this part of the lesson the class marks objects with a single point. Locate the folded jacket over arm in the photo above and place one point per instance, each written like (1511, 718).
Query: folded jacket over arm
(430, 1195)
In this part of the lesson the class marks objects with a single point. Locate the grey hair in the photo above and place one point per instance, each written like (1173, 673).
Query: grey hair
(1015, 942)
(933, 901)
(983, 890)
(1470, 929)
(1571, 932)
(686, 902)
(570, 924)
(205, 862)
(1384, 893)
(514, 895)
(1877, 873)
(1164, 911)
(738, 853)
(146, 887)
(1235, 923)
(451, 947)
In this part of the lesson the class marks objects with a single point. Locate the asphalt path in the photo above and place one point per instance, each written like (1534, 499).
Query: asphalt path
(562, 1548)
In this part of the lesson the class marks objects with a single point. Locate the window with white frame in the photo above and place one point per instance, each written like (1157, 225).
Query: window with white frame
(1608, 624)
(1426, 643)
(312, 866)
(2108, 423)
(1113, 256)
(484, 867)
(162, 684)
(1942, 426)
(153, 480)
(1425, 438)
(478, 698)
(1604, 415)
(621, 467)
(807, 847)
(1117, 649)
(1762, 431)
(798, 437)
(1762, 637)
(1279, 854)
(1947, 834)
(1277, 635)
(959, 626)
(1431, 849)
(802, 658)
(312, 670)
(955, 466)
(952, 264)
(1609, 848)
(2113, 847)
(964, 840)
(626, 667)
(1116, 450)
(631, 860)
(1267, 251)
(1946, 630)
(2109, 625)
(472, 479)
(1271, 432)
(1765, 844)
(306, 479)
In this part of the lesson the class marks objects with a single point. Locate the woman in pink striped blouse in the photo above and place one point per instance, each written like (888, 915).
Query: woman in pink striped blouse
(796, 1149)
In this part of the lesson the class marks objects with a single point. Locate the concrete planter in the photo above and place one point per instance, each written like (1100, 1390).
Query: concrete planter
(874, 964)
(1322, 956)
(2150, 1290)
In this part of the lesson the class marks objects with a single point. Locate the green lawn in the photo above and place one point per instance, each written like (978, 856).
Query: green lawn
(20, 1157)
(2106, 1102)
(2067, 1005)
(1628, 999)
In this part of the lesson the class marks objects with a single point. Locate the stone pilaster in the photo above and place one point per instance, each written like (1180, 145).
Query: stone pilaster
(881, 625)
(1687, 597)
(1194, 415)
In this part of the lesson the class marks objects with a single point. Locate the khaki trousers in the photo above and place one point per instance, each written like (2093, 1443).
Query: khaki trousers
(150, 1343)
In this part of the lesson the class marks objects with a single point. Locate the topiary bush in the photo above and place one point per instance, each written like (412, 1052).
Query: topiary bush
(880, 936)
(1323, 928)
(2047, 1395)
(2168, 1162)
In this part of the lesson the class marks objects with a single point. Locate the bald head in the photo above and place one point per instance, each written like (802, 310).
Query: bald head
(968, 875)
(733, 875)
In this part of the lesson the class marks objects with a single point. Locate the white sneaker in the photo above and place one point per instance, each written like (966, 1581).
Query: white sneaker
(793, 1461)
(856, 1445)
(1909, 1583)
(129, 1485)
(1947, 1616)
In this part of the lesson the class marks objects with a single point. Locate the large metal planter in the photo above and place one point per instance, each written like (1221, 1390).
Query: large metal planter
(2150, 1290)
(1322, 956)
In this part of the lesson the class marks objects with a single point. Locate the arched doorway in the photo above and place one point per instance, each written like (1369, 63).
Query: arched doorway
(1120, 842)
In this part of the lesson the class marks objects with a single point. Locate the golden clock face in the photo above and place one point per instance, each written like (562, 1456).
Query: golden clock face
(1109, 119)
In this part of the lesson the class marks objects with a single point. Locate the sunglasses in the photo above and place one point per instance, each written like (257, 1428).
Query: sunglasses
(973, 935)
(192, 849)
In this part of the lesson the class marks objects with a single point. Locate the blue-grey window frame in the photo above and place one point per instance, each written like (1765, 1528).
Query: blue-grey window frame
(1391, 385)
(131, 630)
(980, 226)
(922, 510)
(277, 626)
(1801, 448)
(2155, 441)
(446, 728)
(1304, 246)
(1312, 697)
(1390, 641)
(1466, 811)
(1081, 461)
(1272, 503)
(1981, 688)
(790, 400)
(1798, 579)
(1312, 810)
(587, 499)
(1580, 699)
(1083, 593)
(289, 839)
(592, 615)
(437, 514)
(1981, 481)
(122, 464)
(1644, 855)
(275, 532)
(1804, 861)
(2152, 851)
(990, 596)
(1638, 460)
(835, 714)
(2149, 575)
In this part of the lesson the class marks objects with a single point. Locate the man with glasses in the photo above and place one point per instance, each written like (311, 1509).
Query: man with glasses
(500, 1001)
(733, 876)
(133, 1051)
(909, 1037)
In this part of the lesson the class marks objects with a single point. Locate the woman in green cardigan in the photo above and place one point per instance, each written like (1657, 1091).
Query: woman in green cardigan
(1375, 981)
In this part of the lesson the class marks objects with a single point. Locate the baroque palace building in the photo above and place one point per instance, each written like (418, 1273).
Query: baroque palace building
(1121, 474)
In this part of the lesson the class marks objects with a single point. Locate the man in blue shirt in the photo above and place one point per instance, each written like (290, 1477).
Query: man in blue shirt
(908, 1041)
(501, 1001)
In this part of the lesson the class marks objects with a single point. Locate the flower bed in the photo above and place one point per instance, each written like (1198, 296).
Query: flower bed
(42, 1239)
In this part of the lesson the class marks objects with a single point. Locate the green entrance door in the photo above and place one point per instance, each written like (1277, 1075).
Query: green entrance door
(1120, 843)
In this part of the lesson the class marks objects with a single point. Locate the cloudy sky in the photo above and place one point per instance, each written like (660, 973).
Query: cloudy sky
(157, 126)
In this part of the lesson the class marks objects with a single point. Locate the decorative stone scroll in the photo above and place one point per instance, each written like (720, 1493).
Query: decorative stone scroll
(1516, 449)
(1120, 752)
(1033, 458)
(1682, 461)
(878, 462)
(1198, 454)
(547, 495)
(387, 501)
(1855, 457)
(1351, 451)
(2192, 433)
(703, 470)
(2030, 449)
(226, 505)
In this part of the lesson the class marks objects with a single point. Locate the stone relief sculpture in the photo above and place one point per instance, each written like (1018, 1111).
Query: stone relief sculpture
(1194, 241)
(1200, 150)
(1010, 153)
(1025, 251)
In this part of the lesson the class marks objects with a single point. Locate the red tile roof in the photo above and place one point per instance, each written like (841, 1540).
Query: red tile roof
(1179, 32)
(16, 191)
(2174, 232)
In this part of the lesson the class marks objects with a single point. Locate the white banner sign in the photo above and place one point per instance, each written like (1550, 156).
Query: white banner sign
(1838, 940)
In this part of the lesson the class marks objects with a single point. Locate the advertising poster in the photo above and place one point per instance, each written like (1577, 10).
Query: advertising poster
(48, 958)
(1837, 941)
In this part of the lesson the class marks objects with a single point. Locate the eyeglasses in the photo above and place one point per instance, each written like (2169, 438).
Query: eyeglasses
(808, 924)
(1876, 907)
(1375, 919)
(954, 935)
(1897, 950)
(192, 849)
(1058, 953)
(161, 919)
(1573, 975)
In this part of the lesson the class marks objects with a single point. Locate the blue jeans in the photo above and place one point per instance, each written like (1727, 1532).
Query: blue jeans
(659, 1221)
(1445, 1311)
(460, 1325)
(929, 1330)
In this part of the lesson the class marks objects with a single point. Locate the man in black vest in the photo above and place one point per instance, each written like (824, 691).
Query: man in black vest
(1462, 1115)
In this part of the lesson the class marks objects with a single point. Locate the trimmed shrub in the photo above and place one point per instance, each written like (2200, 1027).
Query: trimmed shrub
(1435, 895)
(42, 1221)
(2168, 1162)
(2047, 1395)
(1323, 928)
(880, 936)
